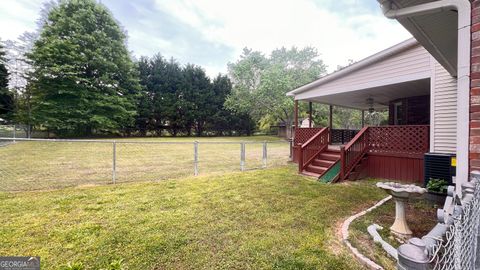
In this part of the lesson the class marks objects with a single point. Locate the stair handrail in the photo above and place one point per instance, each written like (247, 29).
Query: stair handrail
(352, 153)
(322, 138)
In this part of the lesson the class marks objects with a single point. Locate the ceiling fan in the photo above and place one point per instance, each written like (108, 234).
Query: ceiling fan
(371, 102)
(371, 109)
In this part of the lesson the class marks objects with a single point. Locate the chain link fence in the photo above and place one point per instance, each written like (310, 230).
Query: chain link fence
(453, 244)
(13, 132)
(458, 248)
(36, 164)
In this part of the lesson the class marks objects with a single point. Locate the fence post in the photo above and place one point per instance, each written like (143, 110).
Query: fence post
(264, 154)
(195, 158)
(14, 132)
(413, 255)
(114, 163)
(242, 156)
(290, 142)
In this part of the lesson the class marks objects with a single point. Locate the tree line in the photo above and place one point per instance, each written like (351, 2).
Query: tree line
(74, 76)
(78, 79)
(184, 100)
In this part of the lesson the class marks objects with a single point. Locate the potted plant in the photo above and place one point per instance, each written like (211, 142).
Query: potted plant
(437, 190)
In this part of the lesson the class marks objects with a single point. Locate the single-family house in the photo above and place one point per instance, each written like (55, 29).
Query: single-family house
(430, 85)
(420, 96)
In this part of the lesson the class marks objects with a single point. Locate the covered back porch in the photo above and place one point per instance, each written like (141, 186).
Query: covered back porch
(389, 152)
(398, 81)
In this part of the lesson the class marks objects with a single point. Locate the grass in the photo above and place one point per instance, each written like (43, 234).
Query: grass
(421, 218)
(51, 165)
(265, 219)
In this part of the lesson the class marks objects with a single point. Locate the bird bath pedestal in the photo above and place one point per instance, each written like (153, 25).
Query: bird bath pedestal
(401, 194)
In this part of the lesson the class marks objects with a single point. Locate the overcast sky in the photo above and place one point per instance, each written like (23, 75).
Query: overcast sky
(212, 33)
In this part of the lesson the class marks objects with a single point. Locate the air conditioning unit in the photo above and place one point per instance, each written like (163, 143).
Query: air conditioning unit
(439, 166)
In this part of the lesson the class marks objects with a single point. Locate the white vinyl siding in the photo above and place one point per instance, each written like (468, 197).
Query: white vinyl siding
(444, 110)
(411, 64)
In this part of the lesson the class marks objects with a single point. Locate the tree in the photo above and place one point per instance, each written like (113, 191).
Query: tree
(19, 68)
(6, 96)
(260, 83)
(83, 80)
(221, 119)
(320, 113)
(173, 101)
(224, 121)
(376, 118)
(154, 81)
(198, 100)
(144, 118)
(184, 99)
(345, 118)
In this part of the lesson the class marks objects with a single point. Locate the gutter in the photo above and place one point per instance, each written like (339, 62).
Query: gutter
(463, 68)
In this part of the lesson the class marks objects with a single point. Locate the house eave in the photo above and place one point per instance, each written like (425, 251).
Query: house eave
(436, 30)
(405, 45)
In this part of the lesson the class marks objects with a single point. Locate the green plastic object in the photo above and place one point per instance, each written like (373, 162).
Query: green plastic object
(330, 174)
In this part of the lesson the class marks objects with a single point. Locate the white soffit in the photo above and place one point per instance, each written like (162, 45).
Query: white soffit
(380, 95)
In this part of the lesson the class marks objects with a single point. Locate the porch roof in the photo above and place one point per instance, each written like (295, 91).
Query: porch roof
(380, 95)
(400, 71)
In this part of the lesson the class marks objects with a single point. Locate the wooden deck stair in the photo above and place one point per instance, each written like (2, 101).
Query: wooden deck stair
(322, 162)
(359, 170)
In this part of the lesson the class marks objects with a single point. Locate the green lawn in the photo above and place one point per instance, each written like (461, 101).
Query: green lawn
(50, 165)
(264, 219)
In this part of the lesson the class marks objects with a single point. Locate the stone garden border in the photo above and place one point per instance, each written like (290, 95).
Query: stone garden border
(345, 226)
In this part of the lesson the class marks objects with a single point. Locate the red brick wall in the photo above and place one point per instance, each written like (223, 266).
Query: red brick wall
(475, 89)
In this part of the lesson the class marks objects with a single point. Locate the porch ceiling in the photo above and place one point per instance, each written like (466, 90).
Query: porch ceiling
(381, 95)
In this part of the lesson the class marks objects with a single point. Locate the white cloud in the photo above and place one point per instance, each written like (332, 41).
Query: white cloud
(153, 45)
(269, 24)
(17, 16)
(339, 35)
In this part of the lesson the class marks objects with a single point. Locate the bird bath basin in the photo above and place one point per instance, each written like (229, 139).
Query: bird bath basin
(401, 193)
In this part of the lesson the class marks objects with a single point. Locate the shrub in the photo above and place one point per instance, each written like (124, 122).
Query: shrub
(437, 185)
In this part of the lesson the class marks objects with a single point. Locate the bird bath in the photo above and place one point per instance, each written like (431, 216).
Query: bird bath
(401, 193)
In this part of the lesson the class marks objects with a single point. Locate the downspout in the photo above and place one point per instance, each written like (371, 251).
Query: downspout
(463, 69)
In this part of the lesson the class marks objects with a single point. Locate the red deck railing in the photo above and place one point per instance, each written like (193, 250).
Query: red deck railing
(399, 141)
(342, 136)
(408, 141)
(353, 152)
(302, 135)
(311, 148)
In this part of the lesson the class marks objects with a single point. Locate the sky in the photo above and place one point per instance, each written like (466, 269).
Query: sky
(212, 33)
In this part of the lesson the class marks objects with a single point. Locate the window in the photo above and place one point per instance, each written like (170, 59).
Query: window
(398, 113)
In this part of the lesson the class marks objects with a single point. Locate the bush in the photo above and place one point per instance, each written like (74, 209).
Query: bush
(437, 185)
